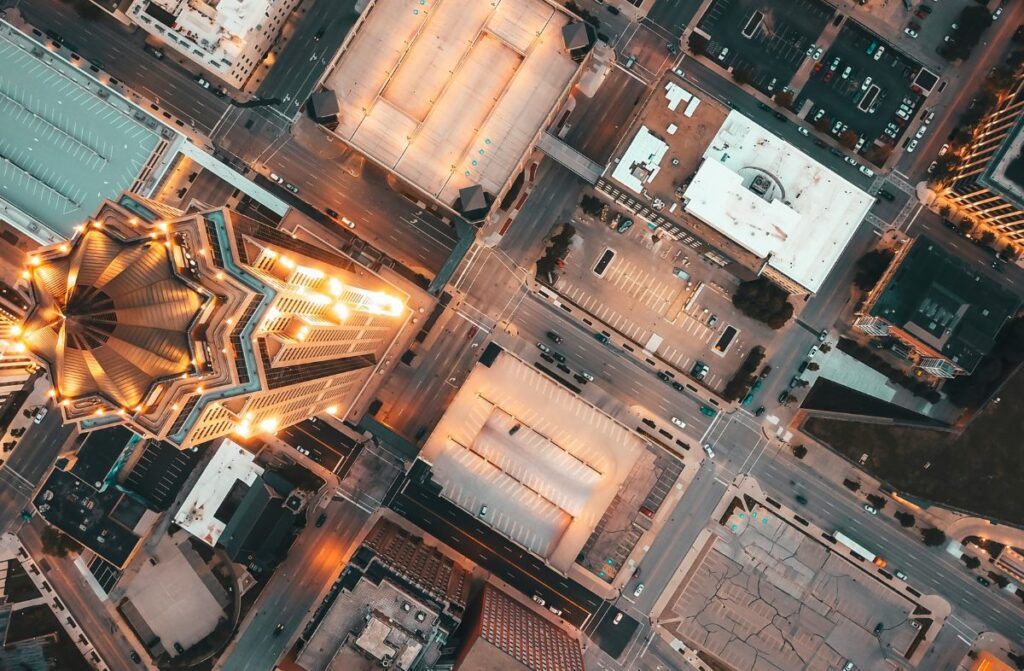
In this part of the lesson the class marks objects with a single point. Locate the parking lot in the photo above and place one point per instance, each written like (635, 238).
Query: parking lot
(767, 38)
(639, 295)
(864, 84)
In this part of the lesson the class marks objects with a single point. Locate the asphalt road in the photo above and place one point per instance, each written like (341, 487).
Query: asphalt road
(305, 57)
(110, 642)
(673, 15)
(30, 460)
(313, 563)
(492, 551)
(930, 570)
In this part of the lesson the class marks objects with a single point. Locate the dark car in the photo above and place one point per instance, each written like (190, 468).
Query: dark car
(320, 519)
(624, 226)
(602, 337)
(558, 356)
(780, 116)
(801, 499)
(331, 213)
(278, 629)
(764, 107)
(154, 51)
(886, 195)
(134, 656)
(783, 396)
(663, 376)
(759, 411)
(982, 580)
(765, 372)
(677, 386)
(554, 337)
(878, 628)
(291, 187)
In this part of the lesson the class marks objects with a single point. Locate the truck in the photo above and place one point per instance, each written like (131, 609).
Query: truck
(858, 549)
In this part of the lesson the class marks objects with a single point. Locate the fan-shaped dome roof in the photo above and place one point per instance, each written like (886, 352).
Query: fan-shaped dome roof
(111, 317)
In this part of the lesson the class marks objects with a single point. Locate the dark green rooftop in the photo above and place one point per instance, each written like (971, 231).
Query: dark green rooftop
(946, 303)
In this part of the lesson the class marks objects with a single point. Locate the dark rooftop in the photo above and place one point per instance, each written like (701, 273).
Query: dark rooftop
(945, 303)
(99, 453)
(83, 513)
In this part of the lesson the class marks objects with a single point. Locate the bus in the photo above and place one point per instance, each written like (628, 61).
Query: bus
(859, 549)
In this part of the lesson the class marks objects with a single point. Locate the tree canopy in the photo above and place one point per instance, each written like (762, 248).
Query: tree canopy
(764, 301)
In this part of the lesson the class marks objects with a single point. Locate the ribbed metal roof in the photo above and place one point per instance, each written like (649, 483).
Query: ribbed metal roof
(111, 317)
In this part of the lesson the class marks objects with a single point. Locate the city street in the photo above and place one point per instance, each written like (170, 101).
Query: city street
(27, 464)
(313, 562)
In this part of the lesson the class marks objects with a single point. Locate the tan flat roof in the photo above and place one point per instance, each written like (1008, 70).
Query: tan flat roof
(450, 93)
(547, 484)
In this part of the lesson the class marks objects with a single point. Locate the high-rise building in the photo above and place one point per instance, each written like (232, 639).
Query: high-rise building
(945, 312)
(191, 327)
(227, 38)
(502, 633)
(987, 183)
(16, 366)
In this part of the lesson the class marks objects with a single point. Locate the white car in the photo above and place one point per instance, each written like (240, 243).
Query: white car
(708, 450)
(811, 352)
(803, 131)
(617, 619)
(920, 132)
(879, 52)
(820, 113)
(847, 71)
(931, 168)
(276, 178)
(639, 590)
(678, 422)
(997, 13)
(538, 599)
(723, 54)
(870, 508)
(865, 84)
(901, 575)
(943, 149)
(860, 143)
(817, 54)
(39, 415)
(542, 347)
(866, 171)
(911, 32)
(912, 146)
(850, 160)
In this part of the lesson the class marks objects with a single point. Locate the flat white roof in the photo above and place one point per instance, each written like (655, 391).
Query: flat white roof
(804, 221)
(230, 463)
(450, 93)
(641, 161)
(546, 485)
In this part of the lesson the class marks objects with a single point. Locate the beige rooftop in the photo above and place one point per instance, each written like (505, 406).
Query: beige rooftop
(111, 317)
(450, 93)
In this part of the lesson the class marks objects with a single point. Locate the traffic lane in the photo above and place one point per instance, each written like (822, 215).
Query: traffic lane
(121, 54)
(832, 507)
(319, 451)
(690, 515)
(994, 46)
(931, 224)
(313, 563)
(632, 382)
(595, 122)
(80, 600)
(494, 552)
(673, 15)
(37, 449)
(312, 45)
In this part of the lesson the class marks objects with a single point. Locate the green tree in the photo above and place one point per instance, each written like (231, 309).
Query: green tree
(971, 562)
(933, 537)
(784, 99)
(698, 44)
(741, 76)
(905, 519)
(58, 544)
(764, 301)
(871, 267)
(848, 138)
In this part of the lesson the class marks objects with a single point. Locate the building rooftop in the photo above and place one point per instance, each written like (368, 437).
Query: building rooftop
(945, 303)
(157, 471)
(547, 483)
(66, 141)
(450, 93)
(99, 453)
(775, 201)
(90, 516)
(510, 636)
(231, 464)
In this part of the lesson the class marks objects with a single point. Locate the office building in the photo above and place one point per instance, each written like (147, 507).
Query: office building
(987, 184)
(502, 633)
(944, 311)
(202, 325)
(227, 38)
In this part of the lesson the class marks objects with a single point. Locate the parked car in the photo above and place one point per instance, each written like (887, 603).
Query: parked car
(803, 130)
(291, 187)
(639, 590)
(870, 508)
(539, 600)
(624, 226)
(901, 575)
(822, 335)
(558, 357)
(866, 171)
(274, 177)
(878, 54)
(811, 352)
(784, 396)
(40, 413)
(678, 386)
(320, 519)
(911, 146)
(617, 618)
(911, 32)
(865, 84)
(483, 511)
(765, 372)
(760, 411)
(663, 376)
(708, 450)
(943, 149)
